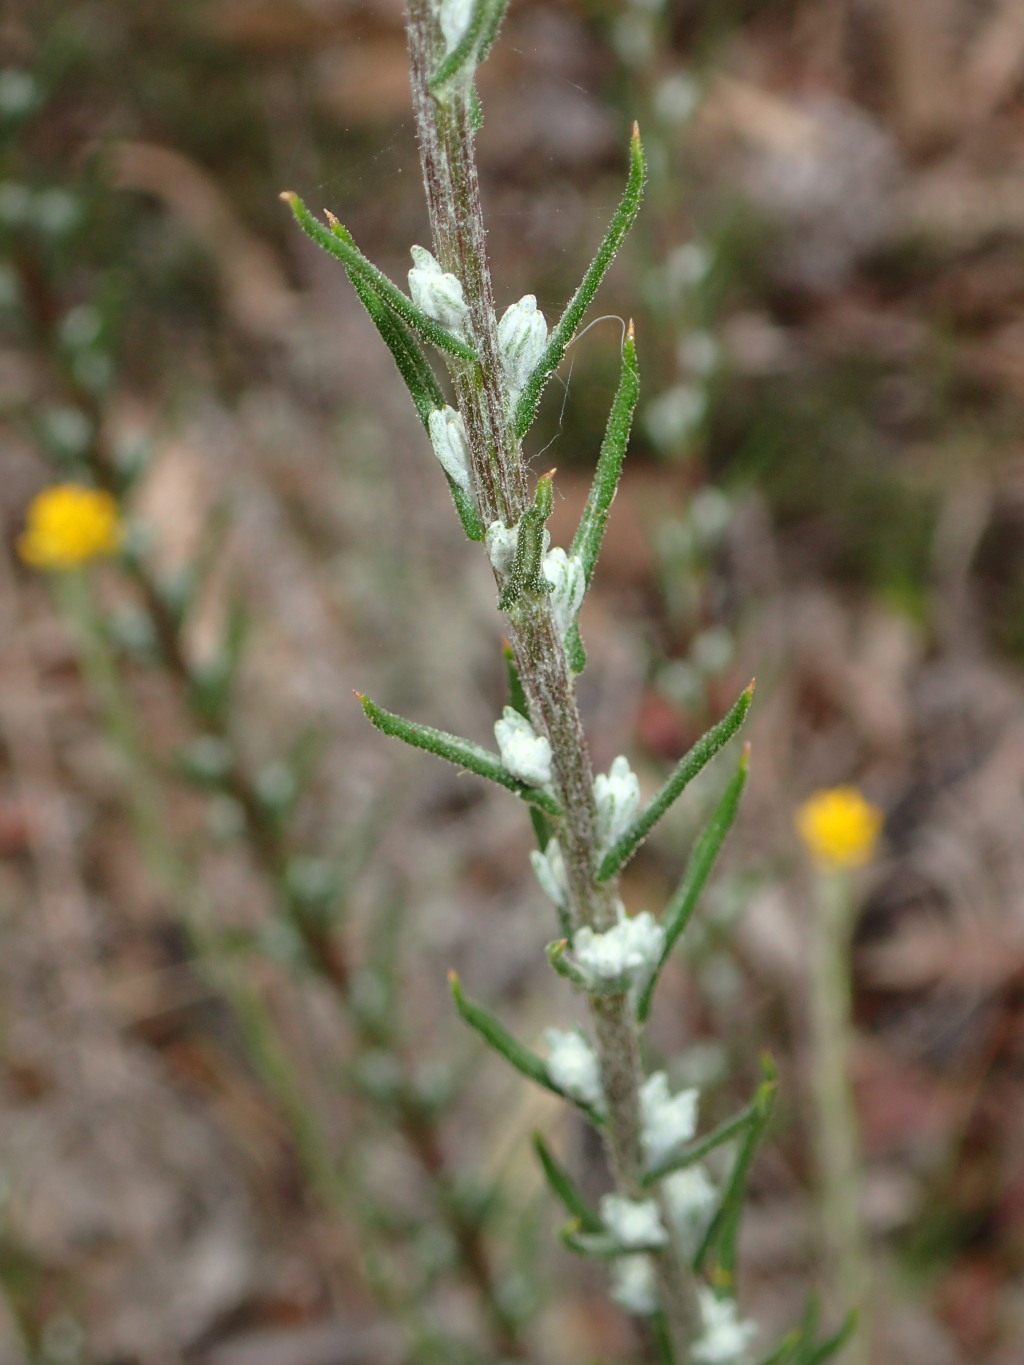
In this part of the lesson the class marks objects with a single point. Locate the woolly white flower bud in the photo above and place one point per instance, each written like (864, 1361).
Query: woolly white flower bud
(724, 1340)
(524, 753)
(436, 292)
(617, 797)
(667, 1120)
(501, 542)
(691, 1203)
(454, 16)
(624, 955)
(573, 1066)
(568, 582)
(522, 337)
(448, 437)
(633, 1222)
(550, 869)
(634, 1285)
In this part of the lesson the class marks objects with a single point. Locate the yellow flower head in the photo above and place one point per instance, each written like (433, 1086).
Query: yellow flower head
(839, 827)
(68, 525)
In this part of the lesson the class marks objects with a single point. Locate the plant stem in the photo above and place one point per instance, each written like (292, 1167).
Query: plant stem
(836, 1128)
(445, 134)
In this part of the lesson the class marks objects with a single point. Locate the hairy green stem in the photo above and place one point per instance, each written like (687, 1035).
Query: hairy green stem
(445, 133)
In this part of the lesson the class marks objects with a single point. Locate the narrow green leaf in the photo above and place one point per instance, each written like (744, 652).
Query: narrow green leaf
(564, 1188)
(722, 1235)
(498, 1036)
(565, 328)
(475, 43)
(574, 649)
(827, 1349)
(587, 541)
(686, 770)
(466, 508)
(680, 908)
(785, 1352)
(337, 241)
(696, 1151)
(412, 364)
(516, 695)
(662, 1339)
(462, 752)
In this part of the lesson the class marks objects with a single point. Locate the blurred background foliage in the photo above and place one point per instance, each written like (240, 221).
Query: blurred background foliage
(826, 487)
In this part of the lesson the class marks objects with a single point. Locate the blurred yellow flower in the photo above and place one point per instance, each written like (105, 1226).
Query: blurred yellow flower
(839, 827)
(68, 525)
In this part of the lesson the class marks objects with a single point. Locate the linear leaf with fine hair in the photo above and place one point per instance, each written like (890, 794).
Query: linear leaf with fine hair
(685, 771)
(680, 908)
(565, 329)
(722, 1235)
(564, 1188)
(462, 752)
(337, 241)
(590, 532)
(498, 1036)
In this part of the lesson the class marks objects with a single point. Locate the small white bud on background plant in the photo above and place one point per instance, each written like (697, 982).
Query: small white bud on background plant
(524, 753)
(448, 437)
(437, 292)
(522, 337)
(633, 1222)
(573, 1066)
(617, 798)
(668, 1120)
(568, 584)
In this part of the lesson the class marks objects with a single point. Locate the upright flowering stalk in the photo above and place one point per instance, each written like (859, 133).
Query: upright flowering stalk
(669, 1234)
(839, 828)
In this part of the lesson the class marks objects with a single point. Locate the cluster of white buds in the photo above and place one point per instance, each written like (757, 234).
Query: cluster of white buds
(634, 1223)
(622, 956)
(667, 1120)
(725, 1337)
(437, 292)
(617, 798)
(522, 337)
(501, 542)
(568, 582)
(573, 1066)
(448, 437)
(691, 1201)
(550, 869)
(454, 17)
(524, 753)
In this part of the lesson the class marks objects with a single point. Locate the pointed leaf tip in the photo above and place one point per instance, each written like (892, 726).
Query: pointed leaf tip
(631, 331)
(636, 131)
(288, 197)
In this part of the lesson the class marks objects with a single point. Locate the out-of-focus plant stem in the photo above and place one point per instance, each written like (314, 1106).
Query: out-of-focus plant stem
(836, 1127)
